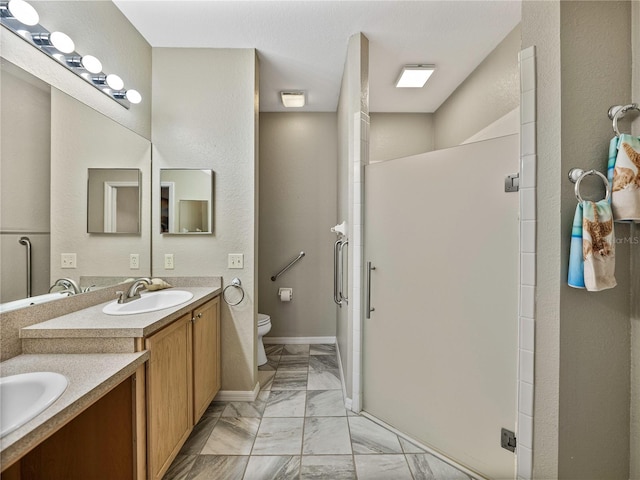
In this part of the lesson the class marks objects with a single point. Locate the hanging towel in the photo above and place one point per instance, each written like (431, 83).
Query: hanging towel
(624, 176)
(598, 246)
(576, 258)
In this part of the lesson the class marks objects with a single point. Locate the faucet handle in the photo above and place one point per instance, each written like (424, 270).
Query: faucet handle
(121, 296)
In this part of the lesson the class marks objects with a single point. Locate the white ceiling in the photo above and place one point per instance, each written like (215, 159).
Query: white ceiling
(302, 45)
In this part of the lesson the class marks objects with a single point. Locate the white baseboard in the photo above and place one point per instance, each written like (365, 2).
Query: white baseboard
(238, 395)
(297, 340)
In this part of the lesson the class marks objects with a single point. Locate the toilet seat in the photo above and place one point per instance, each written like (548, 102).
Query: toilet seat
(263, 319)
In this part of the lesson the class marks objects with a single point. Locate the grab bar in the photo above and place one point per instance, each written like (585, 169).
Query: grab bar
(336, 247)
(26, 242)
(341, 277)
(273, 279)
(369, 307)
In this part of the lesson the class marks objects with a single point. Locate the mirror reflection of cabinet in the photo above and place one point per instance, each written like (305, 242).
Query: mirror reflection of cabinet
(113, 200)
(186, 201)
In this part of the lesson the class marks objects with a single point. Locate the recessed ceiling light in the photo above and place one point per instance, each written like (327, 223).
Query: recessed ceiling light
(414, 76)
(292, 99)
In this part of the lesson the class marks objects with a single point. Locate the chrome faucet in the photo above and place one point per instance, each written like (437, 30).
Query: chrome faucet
(134, 290)
(68, 284)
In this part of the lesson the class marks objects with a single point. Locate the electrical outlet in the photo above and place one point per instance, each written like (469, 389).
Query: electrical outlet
(134, 261)
(168, 261)
(68, 260)
(235, 260)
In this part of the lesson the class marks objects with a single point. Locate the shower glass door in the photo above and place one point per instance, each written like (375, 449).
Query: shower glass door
(440, 346)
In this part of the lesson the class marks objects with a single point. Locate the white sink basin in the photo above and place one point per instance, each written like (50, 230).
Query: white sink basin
(24, 396)
(149, 302)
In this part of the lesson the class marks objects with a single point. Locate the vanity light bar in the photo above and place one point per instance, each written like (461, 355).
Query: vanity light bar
(22, 19)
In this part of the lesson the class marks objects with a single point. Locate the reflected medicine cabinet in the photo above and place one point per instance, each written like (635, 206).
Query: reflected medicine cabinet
(186, 201)
(113, 200)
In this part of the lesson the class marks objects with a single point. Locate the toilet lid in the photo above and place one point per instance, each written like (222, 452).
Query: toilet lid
(262, 319)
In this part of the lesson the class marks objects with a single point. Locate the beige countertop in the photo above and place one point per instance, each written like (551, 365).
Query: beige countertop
(91, 322)
(90, 377)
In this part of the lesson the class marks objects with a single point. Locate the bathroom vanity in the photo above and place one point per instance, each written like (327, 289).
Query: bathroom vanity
(177, 360)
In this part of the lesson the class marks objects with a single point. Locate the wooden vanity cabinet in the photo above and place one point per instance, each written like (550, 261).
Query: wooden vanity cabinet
(169, 387)
(206, 356)
(183, 377)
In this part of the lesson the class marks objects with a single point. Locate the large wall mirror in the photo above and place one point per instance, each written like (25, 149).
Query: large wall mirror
(186, 201)
(113, 200)
(49, 141)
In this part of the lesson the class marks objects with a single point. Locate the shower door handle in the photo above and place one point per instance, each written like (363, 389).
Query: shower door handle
(341, 294)
(336, 247)
(369, 307)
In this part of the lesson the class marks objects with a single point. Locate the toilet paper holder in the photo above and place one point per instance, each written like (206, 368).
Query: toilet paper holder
(285, 294)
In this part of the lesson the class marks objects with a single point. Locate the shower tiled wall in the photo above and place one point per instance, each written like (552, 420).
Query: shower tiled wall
(526, 340)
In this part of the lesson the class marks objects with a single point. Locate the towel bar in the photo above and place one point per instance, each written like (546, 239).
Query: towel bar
(577, 174)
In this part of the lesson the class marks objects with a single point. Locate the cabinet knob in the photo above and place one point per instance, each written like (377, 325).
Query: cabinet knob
(199, 315)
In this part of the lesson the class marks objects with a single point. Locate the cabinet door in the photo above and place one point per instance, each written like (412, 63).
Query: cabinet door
(169, 403)
(206, 356)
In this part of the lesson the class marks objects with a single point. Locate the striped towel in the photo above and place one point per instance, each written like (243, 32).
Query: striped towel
(576, 258)
(592, 253)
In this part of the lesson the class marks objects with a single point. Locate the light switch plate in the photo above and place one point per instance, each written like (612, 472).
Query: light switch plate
(68, 260)
(235, 260)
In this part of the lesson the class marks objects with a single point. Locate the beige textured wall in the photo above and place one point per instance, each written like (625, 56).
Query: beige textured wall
(594, 330)
(581, 424)
(97, 28)
(211, 124)
(634, 449)
(397, 135)
(82, 138)
(24, 175)
(298, 201)
(489, 92)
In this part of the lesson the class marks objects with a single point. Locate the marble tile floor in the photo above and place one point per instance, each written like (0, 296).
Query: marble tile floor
(298, 428)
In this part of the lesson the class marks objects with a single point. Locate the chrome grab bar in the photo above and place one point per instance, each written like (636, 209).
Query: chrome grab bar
(341, 295)
(336, 246)
(369, 308)
(273, 279)
(26, 242)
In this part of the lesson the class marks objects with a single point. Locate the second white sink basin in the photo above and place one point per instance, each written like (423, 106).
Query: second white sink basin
(24, 396)
(149, 302)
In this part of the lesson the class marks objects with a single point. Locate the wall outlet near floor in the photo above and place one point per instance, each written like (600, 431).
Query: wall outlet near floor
(134, 261)
(68, 260)
(235, 260)
(168, 261)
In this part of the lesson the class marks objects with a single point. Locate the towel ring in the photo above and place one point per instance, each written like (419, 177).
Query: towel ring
(236, 283)
(620, 113)
(577, 174)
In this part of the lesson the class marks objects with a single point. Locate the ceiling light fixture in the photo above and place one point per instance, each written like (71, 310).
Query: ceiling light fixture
(414, 76)
(21, 11)
(292, 99)
(58, 40)
(22, 19)
(90, 63)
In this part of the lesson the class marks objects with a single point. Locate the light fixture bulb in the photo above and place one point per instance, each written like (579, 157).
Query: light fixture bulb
(62, 42)
(91, 64)
(114, 82)
(23, 12)
(414, 76)
(133, 96)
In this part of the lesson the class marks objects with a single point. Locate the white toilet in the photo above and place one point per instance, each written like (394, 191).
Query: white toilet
(264, 327)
